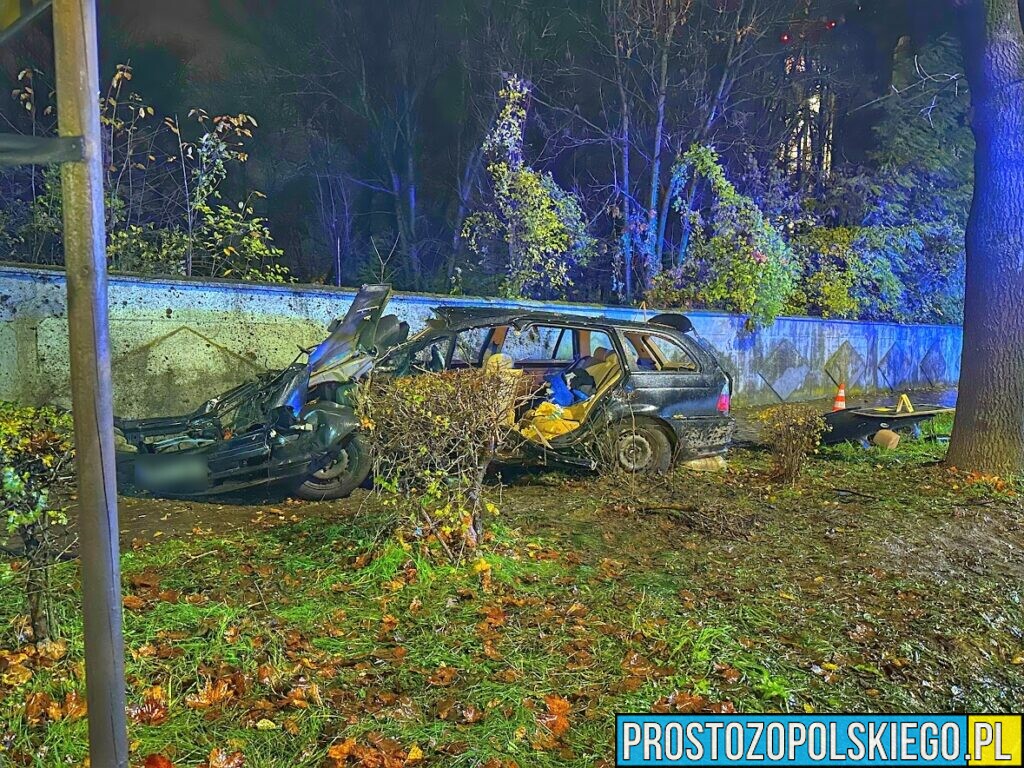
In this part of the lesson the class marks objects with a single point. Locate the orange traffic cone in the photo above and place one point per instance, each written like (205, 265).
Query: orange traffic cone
(839, 404)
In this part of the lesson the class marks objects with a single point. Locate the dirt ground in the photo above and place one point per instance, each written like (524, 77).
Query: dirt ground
(146, 519)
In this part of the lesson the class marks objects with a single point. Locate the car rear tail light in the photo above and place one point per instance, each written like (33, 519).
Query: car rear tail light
(724, 400)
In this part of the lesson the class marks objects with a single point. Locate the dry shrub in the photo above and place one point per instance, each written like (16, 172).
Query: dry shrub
(36, 468)
(433, 437)
(792, 433)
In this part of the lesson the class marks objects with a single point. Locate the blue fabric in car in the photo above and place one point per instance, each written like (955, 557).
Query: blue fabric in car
(561, 393)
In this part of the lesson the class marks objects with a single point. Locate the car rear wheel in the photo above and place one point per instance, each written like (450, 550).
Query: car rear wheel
(342, 476)
(642, 447)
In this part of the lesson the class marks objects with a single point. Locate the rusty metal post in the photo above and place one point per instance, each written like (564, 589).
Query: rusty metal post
(75, 43)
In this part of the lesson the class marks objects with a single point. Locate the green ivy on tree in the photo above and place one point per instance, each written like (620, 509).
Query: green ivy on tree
(739, 262)
(541, 224)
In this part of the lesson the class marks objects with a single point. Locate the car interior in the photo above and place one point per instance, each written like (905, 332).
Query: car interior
(565, 370)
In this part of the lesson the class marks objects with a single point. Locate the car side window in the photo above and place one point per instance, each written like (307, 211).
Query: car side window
(668, 354)
(564, 345)
(469, 345)
(431, 356)
(537, 342)
(638, 352)
(596, 340)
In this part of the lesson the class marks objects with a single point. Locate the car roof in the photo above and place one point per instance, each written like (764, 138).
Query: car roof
(455, 318)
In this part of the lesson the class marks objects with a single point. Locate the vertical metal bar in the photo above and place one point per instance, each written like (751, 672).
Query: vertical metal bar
(74, 31)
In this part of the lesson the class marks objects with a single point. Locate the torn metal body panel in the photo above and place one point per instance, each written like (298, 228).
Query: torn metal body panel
(651, 388)
(859, 425)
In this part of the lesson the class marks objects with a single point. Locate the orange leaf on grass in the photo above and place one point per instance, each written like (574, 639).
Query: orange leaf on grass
(214, 692)
(134, 602)
(443, 676)
(556, 719)
(74, 705)
(156, 761)
(730, 674)
(152, 710)
(339, 752)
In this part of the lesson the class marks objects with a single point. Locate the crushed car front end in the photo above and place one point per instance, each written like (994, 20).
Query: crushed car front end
(295, 425)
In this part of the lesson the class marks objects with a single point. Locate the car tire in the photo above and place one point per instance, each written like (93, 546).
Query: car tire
(342, 476)
(642, 447)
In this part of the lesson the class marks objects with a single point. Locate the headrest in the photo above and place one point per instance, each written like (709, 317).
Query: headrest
(498, 362)
(601, 354)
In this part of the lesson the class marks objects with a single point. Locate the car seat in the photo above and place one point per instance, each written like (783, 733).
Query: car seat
(549, 420)
(510, 384)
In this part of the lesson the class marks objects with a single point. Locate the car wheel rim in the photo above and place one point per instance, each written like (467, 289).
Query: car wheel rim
(635, 452)
(334, 470)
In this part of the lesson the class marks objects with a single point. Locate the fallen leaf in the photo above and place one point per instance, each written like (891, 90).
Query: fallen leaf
(156, 761)
(443, 676)
(556, 719)
(220, 759)
(340, 752)
(145, 580)
(134, 602)
(152, 710)
(16, 675)
(53, 650)
(729, 674)
(445, 709)
(37, 705)
(75, 706)
(214, 692)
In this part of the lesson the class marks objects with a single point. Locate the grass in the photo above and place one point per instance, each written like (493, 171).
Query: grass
(882, 582)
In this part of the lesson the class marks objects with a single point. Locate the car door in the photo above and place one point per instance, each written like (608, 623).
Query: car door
(672, 375)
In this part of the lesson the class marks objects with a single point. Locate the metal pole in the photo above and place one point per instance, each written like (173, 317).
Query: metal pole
(74, 33)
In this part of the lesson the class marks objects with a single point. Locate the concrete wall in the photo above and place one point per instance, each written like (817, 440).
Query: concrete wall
(177, 342)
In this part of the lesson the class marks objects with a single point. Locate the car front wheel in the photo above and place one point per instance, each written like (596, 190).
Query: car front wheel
(342, 476)
(642, 447)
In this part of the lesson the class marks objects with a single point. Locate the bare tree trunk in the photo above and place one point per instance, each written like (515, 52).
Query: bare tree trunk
(625, 148)
(465, 193)
(411, 204)
(654, 252)
(627, 203)
(711, 112)
(989, 432)
(343, 242)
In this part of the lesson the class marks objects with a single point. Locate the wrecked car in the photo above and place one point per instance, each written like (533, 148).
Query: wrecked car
(654, 388)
